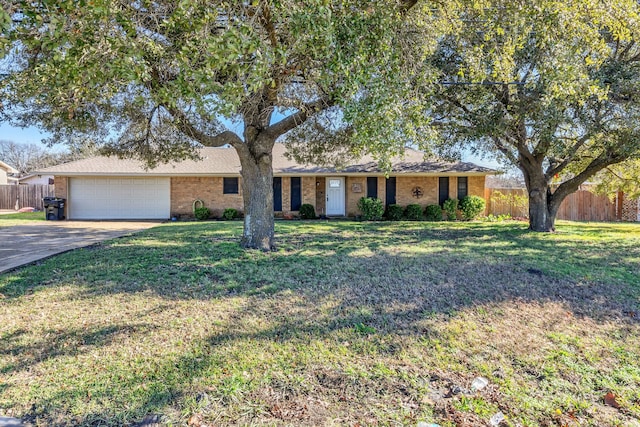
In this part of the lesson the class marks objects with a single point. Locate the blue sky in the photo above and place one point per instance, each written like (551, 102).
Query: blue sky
(35, 136)
(28, 135)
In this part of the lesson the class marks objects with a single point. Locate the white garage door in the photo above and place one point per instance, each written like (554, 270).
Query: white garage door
(119, 198)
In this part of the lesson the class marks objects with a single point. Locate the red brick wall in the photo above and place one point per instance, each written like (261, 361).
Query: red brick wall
(355, 188)
(476, 186)
(321, 195)
(406, 184)
(404, 190)
(453, 187)
(61, 186)
(286, 194)
(382, 189)
(309, 190)
(185, 190)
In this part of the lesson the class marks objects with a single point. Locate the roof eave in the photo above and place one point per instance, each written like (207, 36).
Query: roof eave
(7, 168)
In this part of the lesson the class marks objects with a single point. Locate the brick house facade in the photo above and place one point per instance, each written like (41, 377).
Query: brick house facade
(215, 180)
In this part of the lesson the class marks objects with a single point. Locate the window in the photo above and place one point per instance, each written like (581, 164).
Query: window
(443, 189)
(296, 193)
(277, 193)
(229, 185)
(390, 190)
(334, 183)
(462, 187)
(372, 186)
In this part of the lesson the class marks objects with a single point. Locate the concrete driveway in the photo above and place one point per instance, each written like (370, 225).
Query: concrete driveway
(23, 244)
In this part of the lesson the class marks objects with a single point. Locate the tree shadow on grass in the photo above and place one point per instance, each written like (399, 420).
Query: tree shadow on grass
(473, 264)
(29, 351)
(380, 276)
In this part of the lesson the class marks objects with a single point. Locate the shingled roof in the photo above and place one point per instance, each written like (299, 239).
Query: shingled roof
(225, 161)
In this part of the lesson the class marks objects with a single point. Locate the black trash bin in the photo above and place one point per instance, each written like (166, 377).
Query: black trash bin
(53, 208)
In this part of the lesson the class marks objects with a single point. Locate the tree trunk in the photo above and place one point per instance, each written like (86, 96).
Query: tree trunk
(257, 192)
(542, 215)
(542, 206)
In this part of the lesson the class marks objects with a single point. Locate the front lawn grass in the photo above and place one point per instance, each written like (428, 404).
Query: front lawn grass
(20, 218)
(346, 324)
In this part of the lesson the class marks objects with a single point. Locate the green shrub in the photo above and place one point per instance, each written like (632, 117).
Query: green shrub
(413, 212)
(372, 209)
(202, 213)
(307, 211)
(450, 207)
(394, 213)
(471, 207)
(433, 213)
(230, 213)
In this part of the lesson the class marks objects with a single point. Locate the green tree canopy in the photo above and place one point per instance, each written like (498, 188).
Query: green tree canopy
(157, 79)
(550, 87)
(623, 177)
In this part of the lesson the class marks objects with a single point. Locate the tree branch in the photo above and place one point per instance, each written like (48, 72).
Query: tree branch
(617, 175)
(405, 5)
(265, 20)
(594, 167)
(571, 155)
(182, 122)
(525, 154)
(625, 51)
(456, 103)
(505, 150)
(296, 119)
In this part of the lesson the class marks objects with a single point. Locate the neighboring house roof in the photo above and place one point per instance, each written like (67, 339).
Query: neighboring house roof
(225, 161)
(34, 177)
(7, 168)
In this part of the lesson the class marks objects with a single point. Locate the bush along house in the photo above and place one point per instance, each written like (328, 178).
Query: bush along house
(112, 188)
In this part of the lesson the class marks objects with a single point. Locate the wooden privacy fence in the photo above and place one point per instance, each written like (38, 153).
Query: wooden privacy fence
(580, 206)
(26, 195)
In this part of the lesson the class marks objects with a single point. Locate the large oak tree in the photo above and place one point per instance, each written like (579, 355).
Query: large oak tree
(551, 87)
(157, 79)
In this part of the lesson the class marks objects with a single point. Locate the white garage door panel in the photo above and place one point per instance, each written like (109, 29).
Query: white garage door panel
(119, 198)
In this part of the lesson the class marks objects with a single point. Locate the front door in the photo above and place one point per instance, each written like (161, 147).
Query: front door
(335, 196)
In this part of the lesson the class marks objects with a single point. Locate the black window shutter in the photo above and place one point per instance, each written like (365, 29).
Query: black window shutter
(230, 185)
(463, 189)
(390, 190)
(443, 189)
(277, 193)
(372, 186)
(296, 193)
